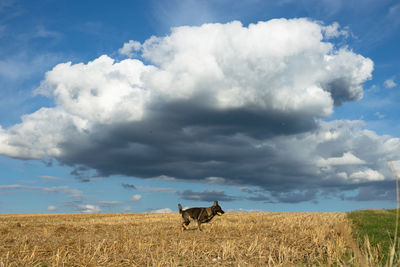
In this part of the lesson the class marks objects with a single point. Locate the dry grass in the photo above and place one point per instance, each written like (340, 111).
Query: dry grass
(236, 239)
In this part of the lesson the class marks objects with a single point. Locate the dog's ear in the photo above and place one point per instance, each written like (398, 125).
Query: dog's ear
(215, 203)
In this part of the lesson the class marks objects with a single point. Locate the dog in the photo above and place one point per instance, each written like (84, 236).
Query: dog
(199, 215)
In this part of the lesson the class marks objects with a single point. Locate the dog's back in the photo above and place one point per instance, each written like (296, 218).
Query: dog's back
(196, 214)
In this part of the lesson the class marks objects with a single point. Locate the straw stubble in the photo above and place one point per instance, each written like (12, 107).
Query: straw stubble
(234, 239)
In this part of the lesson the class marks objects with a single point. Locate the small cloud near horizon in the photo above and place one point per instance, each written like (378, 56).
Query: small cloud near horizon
(51, 208)
(164, 210)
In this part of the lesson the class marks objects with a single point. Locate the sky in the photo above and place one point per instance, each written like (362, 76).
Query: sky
(136, 106)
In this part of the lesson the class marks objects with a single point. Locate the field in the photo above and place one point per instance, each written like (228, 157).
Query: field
(235, 239)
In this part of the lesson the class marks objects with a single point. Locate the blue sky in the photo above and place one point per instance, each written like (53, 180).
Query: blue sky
(135, 106)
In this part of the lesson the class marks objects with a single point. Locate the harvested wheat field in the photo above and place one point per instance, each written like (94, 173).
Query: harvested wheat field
(236, 239)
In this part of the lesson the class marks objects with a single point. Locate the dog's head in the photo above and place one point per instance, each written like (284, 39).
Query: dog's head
(216, 209)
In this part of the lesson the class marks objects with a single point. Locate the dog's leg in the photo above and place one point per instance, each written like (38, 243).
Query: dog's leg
(198, 225)
(185, 225)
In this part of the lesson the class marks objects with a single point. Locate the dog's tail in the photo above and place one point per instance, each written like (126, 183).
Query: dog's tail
(180, 208)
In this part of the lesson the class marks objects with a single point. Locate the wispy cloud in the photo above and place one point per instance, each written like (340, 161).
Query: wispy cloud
(207, 196)
(70, 192)
(242, 210)
(23, 66)
(4, 4)
(379, 115)
(90, 179)
(215, 180)
(128, 186)
(109, 203)
(375, 32)
(177, 13)
(164, 178)
(51, 208)
(41, 32)
(394, 14)
(50, 178)
(157, 189)
(164, 210)
(127, 209)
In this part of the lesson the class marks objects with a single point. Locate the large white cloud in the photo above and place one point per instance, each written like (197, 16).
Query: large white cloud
(208, 97)
(279, 66)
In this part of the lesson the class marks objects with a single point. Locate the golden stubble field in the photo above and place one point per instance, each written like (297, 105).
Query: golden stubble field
(234, 239)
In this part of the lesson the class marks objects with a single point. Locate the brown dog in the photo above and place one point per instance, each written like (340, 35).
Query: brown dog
(200, 215)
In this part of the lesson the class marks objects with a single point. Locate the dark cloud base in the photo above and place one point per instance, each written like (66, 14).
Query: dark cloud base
(186, 142)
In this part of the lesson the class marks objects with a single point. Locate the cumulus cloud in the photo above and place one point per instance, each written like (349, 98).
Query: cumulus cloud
(347, 159)
(135, 197)
(218, 103)
(88, 208)
(333, 31)
(129, 48)
(390, 83)
(367, 174)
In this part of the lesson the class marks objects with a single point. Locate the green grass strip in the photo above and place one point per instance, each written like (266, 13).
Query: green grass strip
(378, 225)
